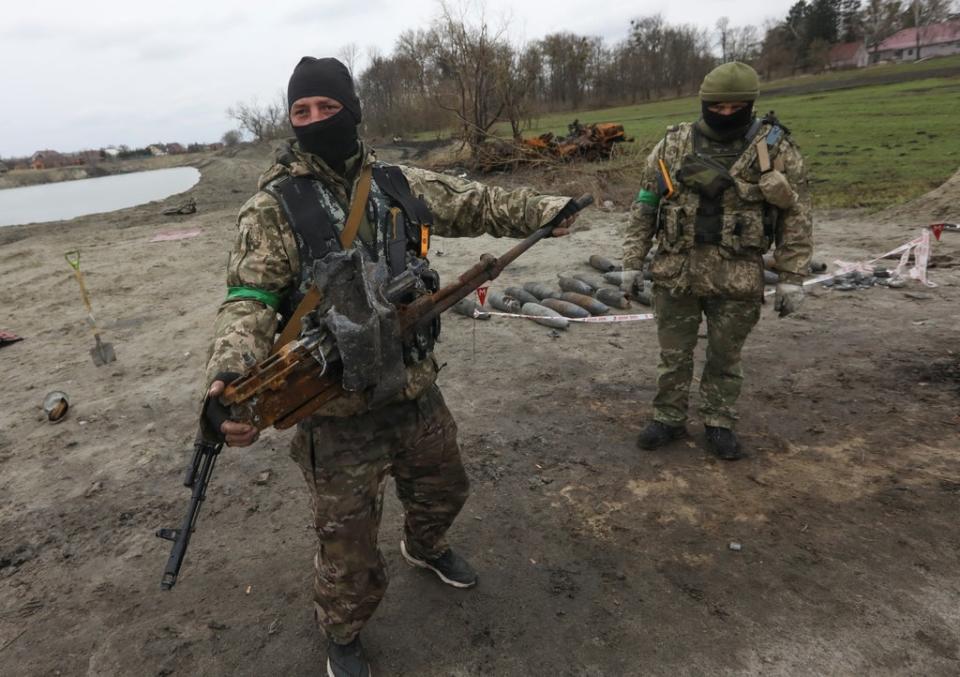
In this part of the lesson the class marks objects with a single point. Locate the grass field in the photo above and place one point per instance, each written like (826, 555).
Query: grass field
(871, 143)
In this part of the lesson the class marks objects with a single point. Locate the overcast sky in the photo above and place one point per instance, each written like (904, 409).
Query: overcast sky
(94, 73)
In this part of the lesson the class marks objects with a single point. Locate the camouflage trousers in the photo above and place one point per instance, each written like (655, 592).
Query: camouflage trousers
(345, 462)
(678, 324)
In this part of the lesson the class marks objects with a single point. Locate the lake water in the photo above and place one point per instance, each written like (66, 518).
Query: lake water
(68, 199)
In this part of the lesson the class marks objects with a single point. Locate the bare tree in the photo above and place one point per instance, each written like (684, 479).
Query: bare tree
(473, 58)
(723, 36)
(261, 121)
(349, 54)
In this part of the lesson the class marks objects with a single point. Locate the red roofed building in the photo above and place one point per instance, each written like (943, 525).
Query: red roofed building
(848, 55)
(934, 40)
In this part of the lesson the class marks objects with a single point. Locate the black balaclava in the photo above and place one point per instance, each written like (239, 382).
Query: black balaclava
(334, 139)
(726, 126)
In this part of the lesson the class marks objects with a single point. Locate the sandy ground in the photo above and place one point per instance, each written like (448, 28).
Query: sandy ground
(596, 559)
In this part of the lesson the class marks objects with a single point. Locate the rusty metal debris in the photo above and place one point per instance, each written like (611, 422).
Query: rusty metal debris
(588, 142)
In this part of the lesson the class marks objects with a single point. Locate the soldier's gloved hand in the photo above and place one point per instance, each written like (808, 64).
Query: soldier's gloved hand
(216, 417)
(777, 190)
(630, 282)
(788, 298)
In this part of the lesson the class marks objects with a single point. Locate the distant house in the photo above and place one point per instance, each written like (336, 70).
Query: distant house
(175, 149)
(111, 153)
(156, 150)
(215, 146)
(934, 40)
(848, 55)
(88, 157)
(45, 159)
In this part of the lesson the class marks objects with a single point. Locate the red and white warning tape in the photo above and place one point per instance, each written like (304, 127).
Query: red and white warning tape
(598, 319)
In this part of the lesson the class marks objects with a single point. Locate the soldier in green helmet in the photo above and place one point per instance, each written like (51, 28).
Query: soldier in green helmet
(716, 195)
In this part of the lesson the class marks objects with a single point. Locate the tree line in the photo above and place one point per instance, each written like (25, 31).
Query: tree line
(465, 72)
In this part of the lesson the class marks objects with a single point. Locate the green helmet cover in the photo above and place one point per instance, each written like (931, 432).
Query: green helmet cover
(734, 81)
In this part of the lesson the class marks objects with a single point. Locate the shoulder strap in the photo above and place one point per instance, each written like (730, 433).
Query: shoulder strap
(357, 206)
(391, 181)
(291, 329)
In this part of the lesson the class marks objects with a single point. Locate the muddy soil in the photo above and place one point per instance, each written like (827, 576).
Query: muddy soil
(595, 558)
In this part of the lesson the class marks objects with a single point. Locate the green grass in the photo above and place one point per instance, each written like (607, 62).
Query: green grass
(872, 145)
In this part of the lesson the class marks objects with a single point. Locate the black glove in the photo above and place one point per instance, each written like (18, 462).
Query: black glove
(214, 412)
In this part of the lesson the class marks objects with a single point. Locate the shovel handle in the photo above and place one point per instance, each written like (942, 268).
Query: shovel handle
(73, 258)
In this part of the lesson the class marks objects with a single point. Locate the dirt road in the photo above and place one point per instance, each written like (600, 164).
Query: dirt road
(596, 559)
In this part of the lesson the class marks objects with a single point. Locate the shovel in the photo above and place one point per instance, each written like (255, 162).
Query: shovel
(101, 352)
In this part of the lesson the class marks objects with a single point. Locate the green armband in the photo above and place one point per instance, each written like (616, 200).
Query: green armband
(648, 198)
(266, 298)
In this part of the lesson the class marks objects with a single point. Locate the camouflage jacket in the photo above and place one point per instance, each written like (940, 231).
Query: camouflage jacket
(732, 268)
(265, 257)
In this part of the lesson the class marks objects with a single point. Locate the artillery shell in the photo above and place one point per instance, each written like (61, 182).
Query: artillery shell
(520, 294)
(503, 302)
(603, 264)
(613, 298)
(467, 307)
(574, 285)
(588, 303)
(770, 277)
(545, 316)
(818, 267)
(565, 308)
(614, 277)
(594, 280)
(541, 291)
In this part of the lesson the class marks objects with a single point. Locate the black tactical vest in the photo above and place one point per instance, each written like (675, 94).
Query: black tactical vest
(401, 223)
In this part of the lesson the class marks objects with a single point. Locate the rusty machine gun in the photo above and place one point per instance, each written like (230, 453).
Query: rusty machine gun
(302, 375)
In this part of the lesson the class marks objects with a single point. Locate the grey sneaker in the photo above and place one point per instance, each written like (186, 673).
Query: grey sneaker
(449, 566)
(347, 660)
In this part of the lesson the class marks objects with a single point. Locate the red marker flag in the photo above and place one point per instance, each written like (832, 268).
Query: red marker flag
(482, 295)
(937, 229)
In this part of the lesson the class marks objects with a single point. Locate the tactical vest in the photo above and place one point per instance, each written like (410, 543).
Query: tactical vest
(401, 223)
(716, 203)
(706, 171)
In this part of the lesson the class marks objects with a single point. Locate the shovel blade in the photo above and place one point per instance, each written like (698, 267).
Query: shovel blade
(102, 353)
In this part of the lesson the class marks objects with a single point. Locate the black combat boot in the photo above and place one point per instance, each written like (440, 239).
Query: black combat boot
(449, 566)
(723, 442)
(658, 433)
(347, 660)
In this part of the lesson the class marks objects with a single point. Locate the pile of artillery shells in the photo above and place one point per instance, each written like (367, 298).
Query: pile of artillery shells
(857, 280)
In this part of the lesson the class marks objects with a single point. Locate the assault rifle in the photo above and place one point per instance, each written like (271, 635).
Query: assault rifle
(302, 375)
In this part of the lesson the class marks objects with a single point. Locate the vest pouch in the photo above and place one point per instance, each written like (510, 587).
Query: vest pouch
(743, 230)
(673, 225)
(704, 176)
